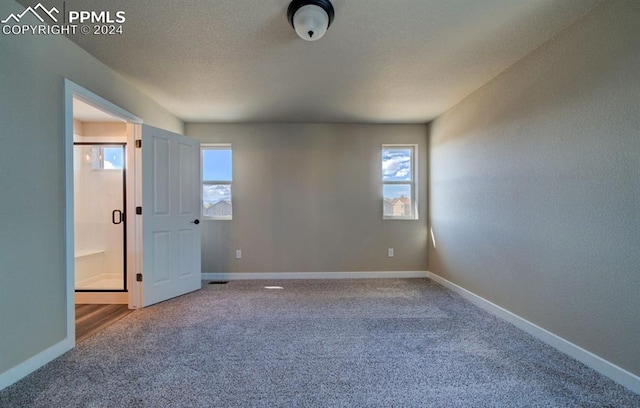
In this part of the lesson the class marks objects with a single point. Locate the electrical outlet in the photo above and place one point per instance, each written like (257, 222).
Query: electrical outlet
(238, 253)
(390, 252)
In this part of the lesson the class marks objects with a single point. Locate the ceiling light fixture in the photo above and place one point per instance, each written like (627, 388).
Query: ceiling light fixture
(310, 18)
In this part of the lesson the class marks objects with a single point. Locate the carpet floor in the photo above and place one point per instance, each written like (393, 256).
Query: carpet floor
(315, 343)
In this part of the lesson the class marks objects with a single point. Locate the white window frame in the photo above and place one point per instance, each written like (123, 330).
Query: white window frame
(413, 183)
(214, 146)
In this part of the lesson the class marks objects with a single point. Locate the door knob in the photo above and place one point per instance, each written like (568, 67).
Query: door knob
(117, 217)
(196, 221)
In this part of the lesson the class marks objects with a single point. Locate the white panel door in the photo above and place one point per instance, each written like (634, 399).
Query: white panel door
(170, 215)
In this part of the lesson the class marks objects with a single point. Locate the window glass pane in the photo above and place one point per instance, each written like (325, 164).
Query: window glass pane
(109, 158)
(216, 200)
(216, 164)
(113, 158)
(396, 164)
(397, 201)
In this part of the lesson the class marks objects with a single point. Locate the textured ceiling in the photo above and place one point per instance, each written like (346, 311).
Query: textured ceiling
(381, 60)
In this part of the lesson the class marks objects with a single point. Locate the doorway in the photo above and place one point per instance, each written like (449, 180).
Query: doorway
(100, 184)
(98, 140)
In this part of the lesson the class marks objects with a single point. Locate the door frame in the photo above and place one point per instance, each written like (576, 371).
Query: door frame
(71, 91)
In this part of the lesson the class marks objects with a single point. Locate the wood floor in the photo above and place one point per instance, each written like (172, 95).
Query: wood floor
(90, 319)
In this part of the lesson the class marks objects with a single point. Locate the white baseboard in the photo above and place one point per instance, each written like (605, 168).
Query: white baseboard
(312, 275)
(604, 367)
(25, 368)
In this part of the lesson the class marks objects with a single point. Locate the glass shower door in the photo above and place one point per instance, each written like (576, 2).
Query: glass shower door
(100, 225)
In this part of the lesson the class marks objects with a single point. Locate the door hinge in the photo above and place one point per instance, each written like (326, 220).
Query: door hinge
(139, 143)
(139, 210)
(138, 277)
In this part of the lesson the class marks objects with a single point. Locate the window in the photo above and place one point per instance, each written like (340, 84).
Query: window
(399, 195)
(217, 176)
(107, 157)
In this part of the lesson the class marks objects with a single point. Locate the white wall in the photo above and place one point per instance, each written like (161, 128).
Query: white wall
(535, 187)
(32, 265)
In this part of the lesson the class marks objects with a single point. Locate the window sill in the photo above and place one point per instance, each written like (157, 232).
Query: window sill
(217, 218)
(400, 218)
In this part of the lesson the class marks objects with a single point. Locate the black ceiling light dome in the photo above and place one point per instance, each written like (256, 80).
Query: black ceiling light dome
(310, 18)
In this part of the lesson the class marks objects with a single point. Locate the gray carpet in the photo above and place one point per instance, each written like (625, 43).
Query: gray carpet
(338, 343)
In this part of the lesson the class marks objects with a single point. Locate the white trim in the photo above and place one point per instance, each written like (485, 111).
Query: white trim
(25, 368)
(67, 153)
(214, 146)
(99, 102)
(414, 183)
(313, 275)
(134, 239)
(604, 367)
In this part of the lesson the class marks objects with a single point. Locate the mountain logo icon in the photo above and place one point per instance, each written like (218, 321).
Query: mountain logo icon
(33, 10)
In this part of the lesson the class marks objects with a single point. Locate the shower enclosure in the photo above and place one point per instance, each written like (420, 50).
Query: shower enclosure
(100, 222)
